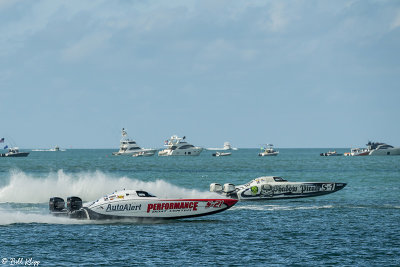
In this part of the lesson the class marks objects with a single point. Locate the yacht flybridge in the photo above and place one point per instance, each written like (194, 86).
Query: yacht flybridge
(177, 146)
(129, 147)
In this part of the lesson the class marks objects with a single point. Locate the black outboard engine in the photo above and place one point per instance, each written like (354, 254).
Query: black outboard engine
(74, 203)
(56, 204)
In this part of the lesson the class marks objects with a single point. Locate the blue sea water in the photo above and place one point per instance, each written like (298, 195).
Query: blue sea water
(357, 226)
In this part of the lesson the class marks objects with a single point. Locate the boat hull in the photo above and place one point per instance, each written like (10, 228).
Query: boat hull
(15, 155)
(157, 209)
(181, 152)
(268, 154)
(287, 190)
(385, 152)
(146, 152)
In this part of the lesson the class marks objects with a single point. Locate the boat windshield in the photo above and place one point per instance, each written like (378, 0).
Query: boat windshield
(279, 179)
(144, 194)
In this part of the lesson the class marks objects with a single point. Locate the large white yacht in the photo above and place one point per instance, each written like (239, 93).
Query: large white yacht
(130, 148)
(177, 146)
(382, 149)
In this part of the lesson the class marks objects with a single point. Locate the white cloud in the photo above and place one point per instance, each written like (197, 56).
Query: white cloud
(396, 21)
(86, 46)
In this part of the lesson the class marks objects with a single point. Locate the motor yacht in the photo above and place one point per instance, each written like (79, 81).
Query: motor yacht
(177, 146)
(268, 150)
(137, 204)
(272, 187)
(382, 149)
(130, 147)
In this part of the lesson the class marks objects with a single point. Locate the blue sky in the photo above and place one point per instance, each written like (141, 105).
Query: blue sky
(291, 73)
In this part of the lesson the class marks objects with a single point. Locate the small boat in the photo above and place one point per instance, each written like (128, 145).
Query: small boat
(358, 152)
(272, 187)
(330, 153)
(14, 152)
(143, 154)
(382, 149)
(177, 146)
(268, 151)
(129, 147)
(137, 204)
(220, 154)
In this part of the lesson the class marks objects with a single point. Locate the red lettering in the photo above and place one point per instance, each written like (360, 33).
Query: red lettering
(191, 205)
(195, 205)
(167, 206)
(186, 205)
(149, 207)
(163, 206)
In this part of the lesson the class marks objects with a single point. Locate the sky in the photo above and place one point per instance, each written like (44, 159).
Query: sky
(296, 74)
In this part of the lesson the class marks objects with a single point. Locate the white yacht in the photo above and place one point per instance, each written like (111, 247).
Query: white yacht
(227, 146)
(130, 148)
(382, 149)
(177, 146)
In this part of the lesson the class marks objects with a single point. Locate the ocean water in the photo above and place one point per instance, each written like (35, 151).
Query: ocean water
(357, 226)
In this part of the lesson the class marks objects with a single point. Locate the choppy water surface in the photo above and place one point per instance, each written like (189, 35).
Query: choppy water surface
(358, 225)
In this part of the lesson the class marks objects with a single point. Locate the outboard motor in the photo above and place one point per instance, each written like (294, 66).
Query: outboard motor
(229, 188)
(214, 187)
(56, 204)
(74, 203)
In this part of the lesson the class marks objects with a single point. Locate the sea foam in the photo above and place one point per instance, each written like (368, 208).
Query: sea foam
(27, 188)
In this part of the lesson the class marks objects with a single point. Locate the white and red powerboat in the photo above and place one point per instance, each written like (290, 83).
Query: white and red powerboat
(134, 204)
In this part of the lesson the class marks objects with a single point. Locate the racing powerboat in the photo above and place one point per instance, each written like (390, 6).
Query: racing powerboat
(272, 187)
(137, 204)
(177, 146)
(130, 147)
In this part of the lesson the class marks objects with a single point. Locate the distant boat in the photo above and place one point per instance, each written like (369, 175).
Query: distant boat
(129, 147)
(55, 149)
(177, 146)
(330, 154)
(227, 146)
(221, 154)
(382, 149)
(14, 152)
(268, 151)
(358, 152)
